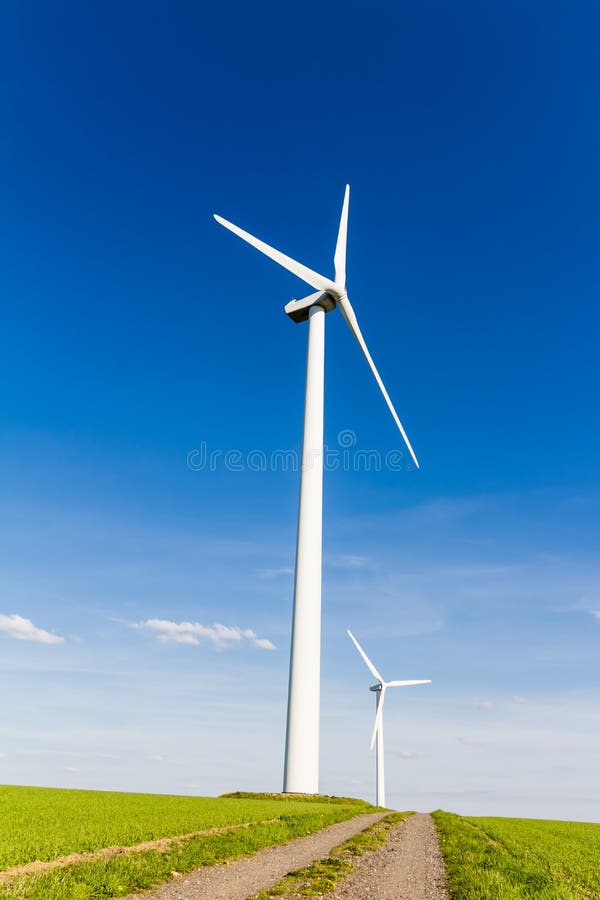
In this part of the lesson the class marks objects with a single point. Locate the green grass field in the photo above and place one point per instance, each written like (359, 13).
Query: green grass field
(506, 859)
(487, 858)
(44, 823)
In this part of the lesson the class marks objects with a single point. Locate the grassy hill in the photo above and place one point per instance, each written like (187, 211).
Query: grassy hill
(78, 845)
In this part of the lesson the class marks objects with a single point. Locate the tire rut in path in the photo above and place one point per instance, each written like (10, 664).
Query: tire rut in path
(409, 867)
(242, 878)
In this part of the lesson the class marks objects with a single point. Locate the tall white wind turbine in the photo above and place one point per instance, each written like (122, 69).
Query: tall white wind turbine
(301, 774)
(379, 688)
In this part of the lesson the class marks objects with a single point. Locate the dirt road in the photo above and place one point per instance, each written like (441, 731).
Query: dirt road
(409, 867)
(243, 878)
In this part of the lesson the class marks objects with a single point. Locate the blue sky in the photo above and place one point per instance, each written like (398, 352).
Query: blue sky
(136, 332)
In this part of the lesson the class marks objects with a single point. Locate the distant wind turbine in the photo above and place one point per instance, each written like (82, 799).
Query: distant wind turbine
(379, 689)
(301, 773)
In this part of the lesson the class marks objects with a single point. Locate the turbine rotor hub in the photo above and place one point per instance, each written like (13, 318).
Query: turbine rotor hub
(338, 294)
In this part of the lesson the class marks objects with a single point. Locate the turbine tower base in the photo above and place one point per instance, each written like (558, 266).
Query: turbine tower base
(301, 774)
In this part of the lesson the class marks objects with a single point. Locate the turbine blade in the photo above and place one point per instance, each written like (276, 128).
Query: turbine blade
(406, 683)
(350, 318)
(370, 665)
(339, 260)
(313, 278)
(378, 717)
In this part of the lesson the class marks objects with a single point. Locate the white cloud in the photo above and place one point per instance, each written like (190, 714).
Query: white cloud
(221, 636)
(2, 755)
(71, 769)
(519, 699)
(156, 757)
(24, 630)
(407, 754)
(595, 613)
(486, 704)
(254, 639)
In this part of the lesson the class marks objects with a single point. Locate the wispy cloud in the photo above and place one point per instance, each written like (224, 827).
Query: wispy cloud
(349, 561)
(486, 704)
(407, 754)
(472, 742)
(275, 572)
(519, 699)
(21, 629)
(221, 636)
(595, 613)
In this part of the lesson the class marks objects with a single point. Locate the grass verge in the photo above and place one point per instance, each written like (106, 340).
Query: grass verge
(514, 859)
(325, 874)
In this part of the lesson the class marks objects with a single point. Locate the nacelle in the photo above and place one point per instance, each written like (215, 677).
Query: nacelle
(298, 310)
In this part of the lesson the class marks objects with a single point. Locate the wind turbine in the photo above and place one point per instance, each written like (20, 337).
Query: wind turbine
(379, 689)
(301, 774)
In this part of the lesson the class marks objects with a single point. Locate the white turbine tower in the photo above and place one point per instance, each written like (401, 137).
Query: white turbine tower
(379, 689)
(301, 773)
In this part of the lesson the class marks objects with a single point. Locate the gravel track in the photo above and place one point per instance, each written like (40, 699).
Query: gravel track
(242, 878)
(409, 867)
